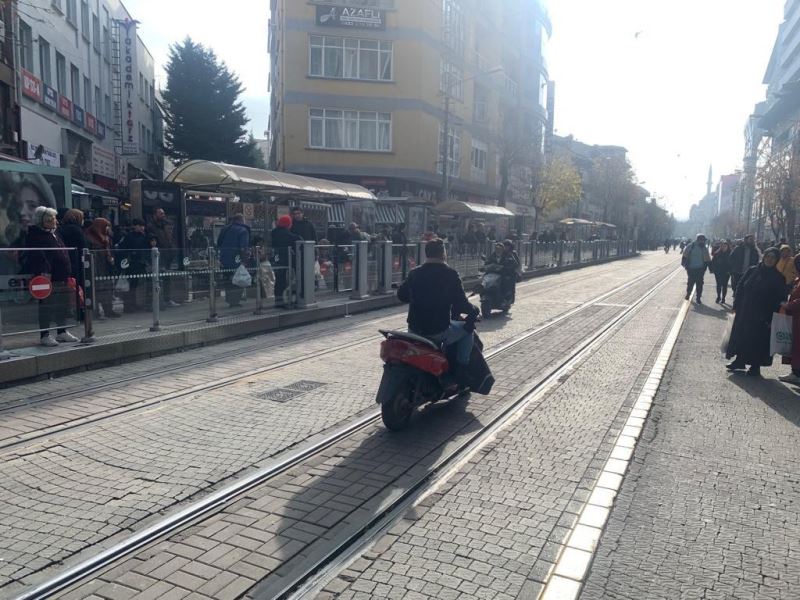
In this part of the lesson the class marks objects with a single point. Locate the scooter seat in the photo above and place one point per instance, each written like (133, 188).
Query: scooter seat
(408, 336)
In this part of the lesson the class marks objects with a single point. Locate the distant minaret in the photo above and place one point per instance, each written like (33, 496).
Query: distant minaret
(710, 179)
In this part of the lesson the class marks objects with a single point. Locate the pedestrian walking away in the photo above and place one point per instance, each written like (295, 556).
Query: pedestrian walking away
(721, 268)
(761, 292)
(135, 249)
(283, 244)
(98, 236)
(696, 260)
(160, 228)
(792, 308)
(744, 256)
(70, 230)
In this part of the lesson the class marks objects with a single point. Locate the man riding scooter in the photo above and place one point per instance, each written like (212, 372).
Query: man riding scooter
(505, 263)
(435, 295)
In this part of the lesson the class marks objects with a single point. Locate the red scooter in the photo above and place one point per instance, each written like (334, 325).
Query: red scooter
(417, 372)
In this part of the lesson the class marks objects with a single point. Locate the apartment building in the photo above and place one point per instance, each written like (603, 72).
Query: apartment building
(87, 92)
(388, 94)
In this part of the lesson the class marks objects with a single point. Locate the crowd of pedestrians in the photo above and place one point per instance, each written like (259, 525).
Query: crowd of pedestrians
(764, 280)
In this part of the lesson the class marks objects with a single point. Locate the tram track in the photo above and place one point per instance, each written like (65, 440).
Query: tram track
(38, 435)
(216, 501)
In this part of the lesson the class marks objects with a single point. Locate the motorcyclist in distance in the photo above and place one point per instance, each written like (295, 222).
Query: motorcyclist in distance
(508, 262)
(435, 294)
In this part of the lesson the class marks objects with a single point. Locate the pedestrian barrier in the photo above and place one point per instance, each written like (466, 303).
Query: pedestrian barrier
(117, 292)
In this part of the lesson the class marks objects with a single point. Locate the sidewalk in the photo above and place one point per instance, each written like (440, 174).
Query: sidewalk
(185, 327)
(711, 505)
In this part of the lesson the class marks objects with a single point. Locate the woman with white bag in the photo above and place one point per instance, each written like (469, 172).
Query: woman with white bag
(792, 308)
(760, 294)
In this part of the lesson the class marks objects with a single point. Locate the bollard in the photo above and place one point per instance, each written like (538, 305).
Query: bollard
(360, 264)
(212, 286)
(87, 266)
(385, 264)
(155, 259)
(305, 274)
(259, 282)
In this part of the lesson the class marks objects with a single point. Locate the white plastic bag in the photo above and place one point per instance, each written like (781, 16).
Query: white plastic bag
(242, 278)
(780, 341)
(123, 286)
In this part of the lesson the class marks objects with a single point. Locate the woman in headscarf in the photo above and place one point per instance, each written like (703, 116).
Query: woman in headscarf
(786, 267)
(98, 237)
(792, 308)
(759, 295)
(721, 267)
(48, 256)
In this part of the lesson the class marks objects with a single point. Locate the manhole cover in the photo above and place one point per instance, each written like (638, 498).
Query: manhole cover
(288, 392)
(304, 386)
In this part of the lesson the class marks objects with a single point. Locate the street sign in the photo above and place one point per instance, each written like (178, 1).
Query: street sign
(40, 287)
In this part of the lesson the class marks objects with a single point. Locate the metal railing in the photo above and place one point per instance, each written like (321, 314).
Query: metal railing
(118, 292)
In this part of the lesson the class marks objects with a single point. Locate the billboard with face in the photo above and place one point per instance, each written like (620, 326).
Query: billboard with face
(24, 187)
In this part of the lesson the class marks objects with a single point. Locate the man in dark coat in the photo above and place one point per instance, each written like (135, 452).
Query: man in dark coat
(283, 245)
(744, 256)
(234, 246)
(136, 251)
(302, 227)
(761, 292)
(161, 229)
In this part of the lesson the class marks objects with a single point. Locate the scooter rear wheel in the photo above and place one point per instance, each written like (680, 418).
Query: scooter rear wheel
(396, 404)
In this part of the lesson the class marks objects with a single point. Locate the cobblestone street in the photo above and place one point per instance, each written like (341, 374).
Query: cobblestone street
(707, 509)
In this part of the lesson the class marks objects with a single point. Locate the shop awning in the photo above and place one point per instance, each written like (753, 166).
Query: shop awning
(571, 222)
(336, 214)
(459, 209)
(387, 214)
(203, 175)
(314, 206)
(90, 189)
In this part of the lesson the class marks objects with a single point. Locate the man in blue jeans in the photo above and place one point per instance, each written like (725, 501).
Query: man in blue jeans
(435, 295)
(696, 260)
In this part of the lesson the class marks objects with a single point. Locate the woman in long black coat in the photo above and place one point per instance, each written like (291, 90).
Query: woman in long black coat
(761, 291)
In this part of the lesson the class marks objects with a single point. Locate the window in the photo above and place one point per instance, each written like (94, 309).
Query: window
(72, 13)
(542, 91)
(153, 95)
(349, 58)
(45, 67)
(453, 151)
(452, 80)
(75, 81)
(143, 140)
(141, 84)
(106, 44)
(25, 46)
(57, 5)
(87, 94)
(480, 159)
(61, 74)
(107, 111)
(350, 130)
(149, 143)
(453, 18)
(85, 19)
(96, 33)
(98, 103)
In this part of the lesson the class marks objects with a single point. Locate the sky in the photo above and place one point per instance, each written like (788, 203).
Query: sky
(677, 95)
(674, 82)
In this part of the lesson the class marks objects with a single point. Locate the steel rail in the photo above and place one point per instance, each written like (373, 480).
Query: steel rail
(217, 500)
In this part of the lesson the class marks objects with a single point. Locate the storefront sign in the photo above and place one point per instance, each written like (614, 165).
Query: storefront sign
(351, 17)
(31, 85)
(42, 155)
(91, 123)
(104, 163)
(78, 115)
(50, 97)
(101, 130)
(65, 107)
(130, 71)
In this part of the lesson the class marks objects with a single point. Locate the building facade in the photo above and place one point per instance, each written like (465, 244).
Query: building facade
(390, 94)
(87, 92)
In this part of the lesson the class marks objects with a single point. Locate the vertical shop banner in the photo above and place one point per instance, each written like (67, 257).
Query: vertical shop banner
(31, 85)
(130, 73)
(91, 123)
(50, 97)
(65, 107)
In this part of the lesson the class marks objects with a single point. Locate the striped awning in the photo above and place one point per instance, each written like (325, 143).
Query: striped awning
(314, 206)
(336, 213)
(387, 214)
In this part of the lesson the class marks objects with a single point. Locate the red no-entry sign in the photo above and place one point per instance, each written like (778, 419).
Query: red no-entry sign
(40, 287)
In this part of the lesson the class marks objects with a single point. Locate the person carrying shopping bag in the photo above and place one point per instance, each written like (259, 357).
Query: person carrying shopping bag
(792, 308)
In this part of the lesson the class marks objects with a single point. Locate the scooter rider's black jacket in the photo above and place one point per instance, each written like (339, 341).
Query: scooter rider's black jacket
(434, 292)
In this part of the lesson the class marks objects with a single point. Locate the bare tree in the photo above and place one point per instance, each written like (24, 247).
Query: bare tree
(778, 184)
(557, 183)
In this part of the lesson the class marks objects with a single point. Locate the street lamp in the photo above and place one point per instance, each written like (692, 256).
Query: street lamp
(445, 149)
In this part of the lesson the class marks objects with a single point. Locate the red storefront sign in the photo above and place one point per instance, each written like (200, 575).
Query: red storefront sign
(65, 107)
(31, 85)
(91, 123)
